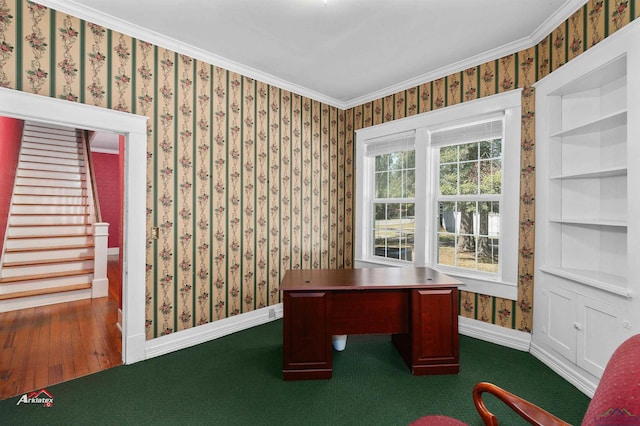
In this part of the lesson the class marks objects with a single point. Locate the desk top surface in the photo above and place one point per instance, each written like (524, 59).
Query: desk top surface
(365, 278)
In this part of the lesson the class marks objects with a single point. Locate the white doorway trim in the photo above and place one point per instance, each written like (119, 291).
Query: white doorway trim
(27, 106)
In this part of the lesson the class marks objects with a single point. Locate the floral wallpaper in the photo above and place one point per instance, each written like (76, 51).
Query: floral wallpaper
(586, 27)
(246, 180)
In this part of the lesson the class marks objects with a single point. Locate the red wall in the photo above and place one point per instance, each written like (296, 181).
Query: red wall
(10, 136)
(107, 174)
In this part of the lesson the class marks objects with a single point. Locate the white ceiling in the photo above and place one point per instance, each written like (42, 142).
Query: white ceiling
(342, 52)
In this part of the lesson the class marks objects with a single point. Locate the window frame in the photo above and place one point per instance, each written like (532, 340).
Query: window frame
(508, 104)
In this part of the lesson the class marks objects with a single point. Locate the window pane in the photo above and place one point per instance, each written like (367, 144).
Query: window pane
(395, 185)
(382, 162)
(466, 252)
(449, 154)
(396, 160)
(449, 179)
(485, 150)
(446, 248)
(469, 151)
(487, 254)
(382, 185)
(410, 159)
(447, 217)
(410, 183)
(489, 218)
(467, 216)
(380, 210)
(490, 177)
(469, 178)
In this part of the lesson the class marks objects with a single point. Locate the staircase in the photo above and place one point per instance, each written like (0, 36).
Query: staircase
(48, 255)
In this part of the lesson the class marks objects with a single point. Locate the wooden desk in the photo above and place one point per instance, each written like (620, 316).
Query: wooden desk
(418, 306)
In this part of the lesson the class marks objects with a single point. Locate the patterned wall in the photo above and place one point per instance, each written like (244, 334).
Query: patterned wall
(593, 22)
(246, 180)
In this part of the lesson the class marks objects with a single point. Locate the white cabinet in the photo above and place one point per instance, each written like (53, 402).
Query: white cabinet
(587, 206)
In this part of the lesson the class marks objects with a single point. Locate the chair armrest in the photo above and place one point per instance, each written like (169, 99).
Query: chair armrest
(528, 411)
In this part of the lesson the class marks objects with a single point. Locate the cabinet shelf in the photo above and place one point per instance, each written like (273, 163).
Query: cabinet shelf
(614, 284)
(591, 222)
(603, 173)
(601, 124)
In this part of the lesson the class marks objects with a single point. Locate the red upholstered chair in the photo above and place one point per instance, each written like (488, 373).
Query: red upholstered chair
(615, 402)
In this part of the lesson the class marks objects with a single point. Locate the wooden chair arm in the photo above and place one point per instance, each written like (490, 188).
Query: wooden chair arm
(528, 411)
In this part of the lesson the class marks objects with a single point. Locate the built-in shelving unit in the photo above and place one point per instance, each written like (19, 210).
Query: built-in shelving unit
(587, 176)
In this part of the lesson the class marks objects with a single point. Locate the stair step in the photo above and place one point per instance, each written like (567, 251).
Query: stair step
(50, 154)
(64, 200)
(54, 167)
(50, 182)
(43, 236)
(56, 209)
(43, 291)
(48, 266)
(45, 261)
(27, 231)
(49, 174)
(48, 241)
(63, 161)
(49, 191)
(49, 248)
(32, 277)
(47, 129)
(50, 145)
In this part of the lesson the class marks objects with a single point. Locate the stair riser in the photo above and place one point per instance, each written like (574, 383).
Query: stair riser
(45, 283)
(44, 199)
(18, 271)
(50, 145)
(48, 242)
(49, 182)
(62, 135)
(18, 231)
(43, 190)
(35, 209)
(29, 165)
(54, 155)
(49, 174)
(10, 257)
(63, 161)
(48, 220)
(44, 300)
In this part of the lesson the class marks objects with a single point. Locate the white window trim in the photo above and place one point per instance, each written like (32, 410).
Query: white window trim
(509, 104)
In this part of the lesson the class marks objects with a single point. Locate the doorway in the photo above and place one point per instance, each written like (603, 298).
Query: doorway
(26, 106)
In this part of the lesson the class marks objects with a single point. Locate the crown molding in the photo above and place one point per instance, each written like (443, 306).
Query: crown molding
(86, 13)
(73, 8)
(561, 15)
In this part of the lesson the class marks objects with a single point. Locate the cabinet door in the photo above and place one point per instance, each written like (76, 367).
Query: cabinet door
(598, 334)
(560, 322)
(435, 326)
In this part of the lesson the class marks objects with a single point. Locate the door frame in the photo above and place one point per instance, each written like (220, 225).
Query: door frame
(27, 106)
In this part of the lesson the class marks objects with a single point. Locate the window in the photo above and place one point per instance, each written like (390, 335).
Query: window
(393, 205)
(469, 196)
(441, 189)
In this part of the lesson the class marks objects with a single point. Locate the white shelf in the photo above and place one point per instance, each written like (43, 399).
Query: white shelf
(614, 284)
(590, 222)
(598, 125)
(603, 173)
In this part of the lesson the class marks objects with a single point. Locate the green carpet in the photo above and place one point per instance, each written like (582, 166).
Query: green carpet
(237, 380)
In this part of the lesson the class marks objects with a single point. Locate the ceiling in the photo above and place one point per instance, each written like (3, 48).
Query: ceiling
(341, 52)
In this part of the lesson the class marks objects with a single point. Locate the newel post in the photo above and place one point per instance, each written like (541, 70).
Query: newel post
(100, 287)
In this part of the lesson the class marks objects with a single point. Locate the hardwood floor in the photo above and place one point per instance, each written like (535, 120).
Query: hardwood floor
(43, 346)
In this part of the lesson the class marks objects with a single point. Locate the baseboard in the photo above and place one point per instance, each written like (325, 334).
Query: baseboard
(204, 333)
(566, 370)
(502, 336)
